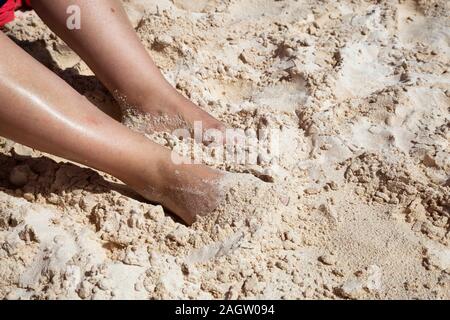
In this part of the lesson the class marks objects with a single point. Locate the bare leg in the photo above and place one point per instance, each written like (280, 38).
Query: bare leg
(52, 117)
(109, 45)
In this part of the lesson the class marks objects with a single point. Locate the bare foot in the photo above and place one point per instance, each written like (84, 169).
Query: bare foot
(194, 192)
(164, 110)
(188, 191)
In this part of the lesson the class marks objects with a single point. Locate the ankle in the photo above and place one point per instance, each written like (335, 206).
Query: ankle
(158, 93)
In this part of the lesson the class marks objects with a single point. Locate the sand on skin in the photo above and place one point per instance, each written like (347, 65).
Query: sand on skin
(355, 206)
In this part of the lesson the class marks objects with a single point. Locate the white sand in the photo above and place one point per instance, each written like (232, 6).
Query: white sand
(358, 204)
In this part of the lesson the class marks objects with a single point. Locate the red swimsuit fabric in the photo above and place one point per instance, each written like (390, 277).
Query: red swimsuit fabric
(7, 10)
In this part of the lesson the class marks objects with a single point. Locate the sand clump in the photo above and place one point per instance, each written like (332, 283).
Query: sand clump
(354, 203)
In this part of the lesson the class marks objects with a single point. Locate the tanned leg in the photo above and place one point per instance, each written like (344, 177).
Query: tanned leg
(40, 110)
(108, 43)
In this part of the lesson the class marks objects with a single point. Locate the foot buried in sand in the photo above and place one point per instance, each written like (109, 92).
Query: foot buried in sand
(169, 116)
(246, 203)
(197, 193)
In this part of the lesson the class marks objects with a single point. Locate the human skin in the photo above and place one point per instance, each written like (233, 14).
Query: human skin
(110, 46)
(40, 110)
